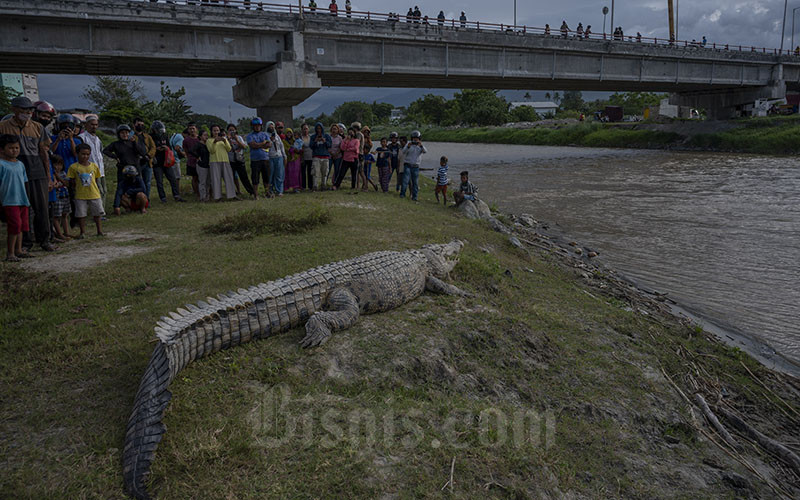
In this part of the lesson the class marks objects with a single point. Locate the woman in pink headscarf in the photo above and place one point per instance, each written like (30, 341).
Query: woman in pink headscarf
(293, 161)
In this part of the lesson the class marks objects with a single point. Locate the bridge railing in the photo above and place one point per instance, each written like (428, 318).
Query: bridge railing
(411, 22)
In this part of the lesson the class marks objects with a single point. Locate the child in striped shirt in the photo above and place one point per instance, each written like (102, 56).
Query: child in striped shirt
(441, 180)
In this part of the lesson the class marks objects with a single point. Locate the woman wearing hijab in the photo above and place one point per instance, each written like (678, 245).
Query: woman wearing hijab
(294, 155)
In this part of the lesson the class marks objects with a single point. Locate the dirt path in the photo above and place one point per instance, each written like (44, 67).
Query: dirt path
(76, 255)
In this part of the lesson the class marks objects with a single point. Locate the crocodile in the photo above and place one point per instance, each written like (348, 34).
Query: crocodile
(326, 299)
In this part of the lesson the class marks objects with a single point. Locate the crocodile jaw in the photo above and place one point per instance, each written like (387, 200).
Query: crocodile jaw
(442, 258)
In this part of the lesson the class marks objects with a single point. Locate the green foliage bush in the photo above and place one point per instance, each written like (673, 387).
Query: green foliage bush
(258, 221)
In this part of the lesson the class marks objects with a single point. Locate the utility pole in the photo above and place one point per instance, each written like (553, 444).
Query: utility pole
(672, 21)
(783, 28)
(612, 15)
(605, 12)
(677, 18)
(793, 15)
(515, 13)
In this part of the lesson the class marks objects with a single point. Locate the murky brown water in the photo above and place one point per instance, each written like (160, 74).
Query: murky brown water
(719, 232)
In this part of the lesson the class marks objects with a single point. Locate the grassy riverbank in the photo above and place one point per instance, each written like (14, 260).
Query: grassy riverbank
(762, 136)
(539, 334)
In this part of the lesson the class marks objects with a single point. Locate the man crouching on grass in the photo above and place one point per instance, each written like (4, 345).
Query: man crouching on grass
(84, 176)
(13, 198)
(132, 188)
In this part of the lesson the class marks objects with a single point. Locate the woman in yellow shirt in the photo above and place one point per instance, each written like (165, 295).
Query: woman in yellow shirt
(220, 167)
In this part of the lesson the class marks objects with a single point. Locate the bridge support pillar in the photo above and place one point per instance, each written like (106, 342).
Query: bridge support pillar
(722, 104)
(275, 90)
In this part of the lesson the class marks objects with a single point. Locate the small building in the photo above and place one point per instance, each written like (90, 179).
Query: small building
(541, 107)
(397, 114)
(24, 84)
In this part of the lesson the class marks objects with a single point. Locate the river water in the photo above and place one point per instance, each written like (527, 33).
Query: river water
(720, 233)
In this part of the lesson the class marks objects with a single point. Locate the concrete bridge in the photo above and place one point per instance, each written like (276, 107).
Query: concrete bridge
(280, 56)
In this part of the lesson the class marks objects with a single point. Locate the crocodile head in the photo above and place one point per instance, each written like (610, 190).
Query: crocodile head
(442, 258)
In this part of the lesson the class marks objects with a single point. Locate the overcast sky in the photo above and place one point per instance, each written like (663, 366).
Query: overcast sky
(726, 21)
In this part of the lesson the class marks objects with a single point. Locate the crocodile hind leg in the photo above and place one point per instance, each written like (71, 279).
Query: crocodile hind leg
(435, 285)
(342, 313)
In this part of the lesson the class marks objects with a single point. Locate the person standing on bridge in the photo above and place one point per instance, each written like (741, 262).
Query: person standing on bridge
(463, 19)
(440, 18)
(410, 16)
(588, 31)
(333, 8)
(417, 14)
(564, 29)
(579, 31)
(348, 8)
(312, 6)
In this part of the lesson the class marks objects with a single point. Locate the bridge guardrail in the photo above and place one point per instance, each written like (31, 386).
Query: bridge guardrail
(458, 24)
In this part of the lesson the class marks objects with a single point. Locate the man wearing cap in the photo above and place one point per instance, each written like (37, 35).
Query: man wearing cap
(89, 136)
(33, 142)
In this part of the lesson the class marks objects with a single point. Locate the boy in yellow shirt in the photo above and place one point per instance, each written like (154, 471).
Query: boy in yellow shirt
(84, 177)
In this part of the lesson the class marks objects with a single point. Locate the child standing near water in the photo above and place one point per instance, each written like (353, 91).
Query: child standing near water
(442, 181)
(84, 176)
(13, 197)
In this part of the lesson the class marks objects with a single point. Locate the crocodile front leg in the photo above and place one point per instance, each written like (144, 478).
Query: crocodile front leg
(342, 313)
(435, 285)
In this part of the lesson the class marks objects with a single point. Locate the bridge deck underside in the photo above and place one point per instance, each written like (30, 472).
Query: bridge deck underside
(490, 81)
(150, 65)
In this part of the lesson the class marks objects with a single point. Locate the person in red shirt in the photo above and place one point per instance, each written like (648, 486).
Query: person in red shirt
(333, 8)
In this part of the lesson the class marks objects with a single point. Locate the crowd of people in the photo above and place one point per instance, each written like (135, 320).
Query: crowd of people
(53, 168)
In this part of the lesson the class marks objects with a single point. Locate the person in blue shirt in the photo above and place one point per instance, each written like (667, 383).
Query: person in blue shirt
(66, 140)
(13, 195)
(258, 140)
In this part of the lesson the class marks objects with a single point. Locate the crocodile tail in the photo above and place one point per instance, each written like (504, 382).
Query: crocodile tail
(145, 428)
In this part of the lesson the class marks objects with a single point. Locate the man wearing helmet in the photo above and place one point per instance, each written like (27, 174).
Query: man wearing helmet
(413, 158)
(259, 141)
(163, 162)
(33, 142)
(44, 112)
(127, 151)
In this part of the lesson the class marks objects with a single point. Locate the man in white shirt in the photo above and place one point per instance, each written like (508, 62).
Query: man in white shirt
(89, 136)
(412, 153)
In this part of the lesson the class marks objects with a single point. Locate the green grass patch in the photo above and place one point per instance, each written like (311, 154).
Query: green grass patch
(256, 221)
